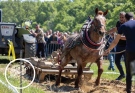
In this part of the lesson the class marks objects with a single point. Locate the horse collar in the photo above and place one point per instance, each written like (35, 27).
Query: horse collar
(91, 42)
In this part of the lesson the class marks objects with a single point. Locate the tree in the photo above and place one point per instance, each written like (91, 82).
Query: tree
(63, 15)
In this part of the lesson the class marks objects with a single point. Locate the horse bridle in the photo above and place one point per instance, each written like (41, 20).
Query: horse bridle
(96, 28)
(89, 24)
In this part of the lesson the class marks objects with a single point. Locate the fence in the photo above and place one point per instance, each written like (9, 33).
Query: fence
(49, 48)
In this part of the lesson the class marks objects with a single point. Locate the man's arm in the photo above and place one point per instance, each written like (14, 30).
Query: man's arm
(112, 30)
(113, 44)
(35, 34)
(123, 38)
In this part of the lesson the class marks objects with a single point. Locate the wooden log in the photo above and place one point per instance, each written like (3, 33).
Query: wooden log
(72, 68)
(44, 72)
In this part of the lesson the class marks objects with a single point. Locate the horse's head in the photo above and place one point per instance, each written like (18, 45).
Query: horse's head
(99, 22)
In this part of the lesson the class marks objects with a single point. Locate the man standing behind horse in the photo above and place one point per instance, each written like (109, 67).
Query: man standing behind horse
(120, 46)
(128, 29)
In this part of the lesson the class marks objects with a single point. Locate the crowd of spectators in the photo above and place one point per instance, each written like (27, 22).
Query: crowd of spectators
(55, 40)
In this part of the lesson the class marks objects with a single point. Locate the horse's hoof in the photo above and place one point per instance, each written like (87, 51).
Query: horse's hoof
(96, 84)
(57, 84)
(77, 87)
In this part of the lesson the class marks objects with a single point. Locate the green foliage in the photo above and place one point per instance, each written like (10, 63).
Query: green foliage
(62, 15)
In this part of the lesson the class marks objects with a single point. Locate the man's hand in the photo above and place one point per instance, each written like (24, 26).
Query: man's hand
(35, 34)
(113, 30)
(108, 32)
(107, 52)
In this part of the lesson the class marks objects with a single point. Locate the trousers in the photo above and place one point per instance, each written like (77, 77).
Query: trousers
(130, 57)
(111, 60)
(118, 59)
(40, 48)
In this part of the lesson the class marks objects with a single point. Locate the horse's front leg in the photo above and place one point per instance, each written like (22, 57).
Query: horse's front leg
(63, 63)
(59, 77)
(79, 72)
(100, 71)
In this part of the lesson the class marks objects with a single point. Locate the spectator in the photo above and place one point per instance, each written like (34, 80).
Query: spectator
(128, 29)
(111, 57)
(66, 35)
(62, 40)
(54, 39)
(39, 34)
(53, 42)
(57, 33)
(46, 45)
(49, 33)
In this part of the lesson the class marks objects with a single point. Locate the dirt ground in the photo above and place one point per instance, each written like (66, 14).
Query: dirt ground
(67, 86)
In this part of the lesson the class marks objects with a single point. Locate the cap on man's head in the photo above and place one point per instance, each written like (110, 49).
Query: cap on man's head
(129, 15)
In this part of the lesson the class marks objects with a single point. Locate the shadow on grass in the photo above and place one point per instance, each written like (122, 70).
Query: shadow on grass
(63, 88)
(4, 61)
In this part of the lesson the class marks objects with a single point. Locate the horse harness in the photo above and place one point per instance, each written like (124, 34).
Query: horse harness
(87, 42)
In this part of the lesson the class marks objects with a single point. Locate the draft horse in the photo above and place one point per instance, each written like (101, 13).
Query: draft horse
(85, 48)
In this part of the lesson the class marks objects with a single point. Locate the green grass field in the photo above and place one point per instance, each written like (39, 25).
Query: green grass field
(4, 89)
(30, 89)
(107, 74)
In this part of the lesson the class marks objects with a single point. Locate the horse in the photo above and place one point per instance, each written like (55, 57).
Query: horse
(85, 48)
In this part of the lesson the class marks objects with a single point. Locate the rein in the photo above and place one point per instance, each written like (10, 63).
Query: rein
(117, 52)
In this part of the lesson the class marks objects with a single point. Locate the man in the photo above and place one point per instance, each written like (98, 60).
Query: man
(128, 29)
(120, 46)
(53, 42)
(39, 34)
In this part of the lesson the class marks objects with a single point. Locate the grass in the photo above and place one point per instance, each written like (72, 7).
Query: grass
(3, 57)
(34, 88)
(30, 89)
(4, 89)
(107, 74)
